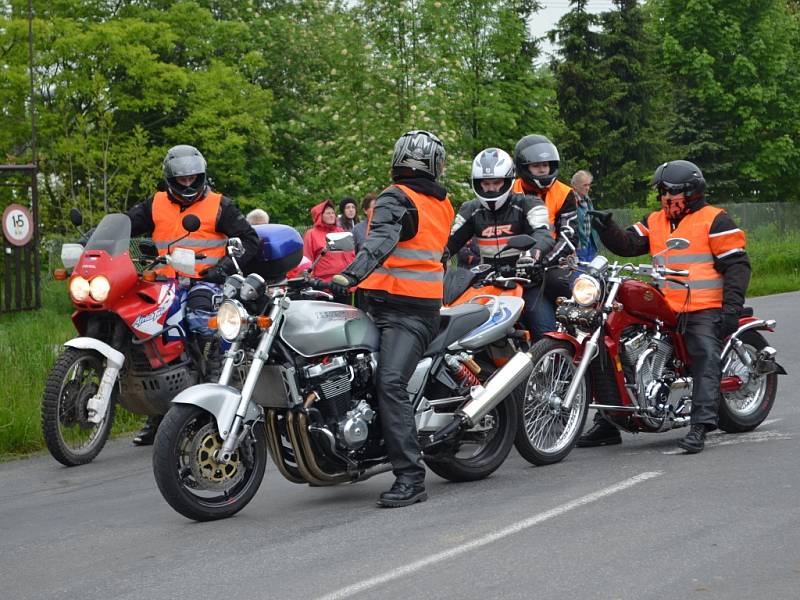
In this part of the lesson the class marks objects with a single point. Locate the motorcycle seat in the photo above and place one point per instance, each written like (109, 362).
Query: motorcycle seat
(455, 323)
(747, 311)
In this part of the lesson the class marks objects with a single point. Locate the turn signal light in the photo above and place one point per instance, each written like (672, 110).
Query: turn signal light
(212, 323)
(60, 274)
(149, 275)
(263, 322)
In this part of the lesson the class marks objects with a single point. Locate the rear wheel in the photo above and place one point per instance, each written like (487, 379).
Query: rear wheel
(187, 474)
(547, 432)
(70, 437)
(746, 408)
(482, 449)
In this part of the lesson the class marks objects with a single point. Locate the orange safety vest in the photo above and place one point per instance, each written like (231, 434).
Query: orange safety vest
(554, 198)
(414, 268)
(207, 240)
(705, 282)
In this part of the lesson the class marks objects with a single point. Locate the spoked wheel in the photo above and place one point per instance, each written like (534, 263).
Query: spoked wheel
(70, 437)
(186, 470)
(547, 432)
(482, 449)
(745, 409)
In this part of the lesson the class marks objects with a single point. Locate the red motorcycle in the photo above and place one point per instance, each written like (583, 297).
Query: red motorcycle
(133, 346)
(619, 349)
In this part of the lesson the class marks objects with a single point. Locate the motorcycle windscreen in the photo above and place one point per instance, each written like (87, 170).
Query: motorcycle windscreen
(112, 235)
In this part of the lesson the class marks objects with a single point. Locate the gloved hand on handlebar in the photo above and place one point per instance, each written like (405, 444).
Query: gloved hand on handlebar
(340, 284)
(219, 272)
(601, 220)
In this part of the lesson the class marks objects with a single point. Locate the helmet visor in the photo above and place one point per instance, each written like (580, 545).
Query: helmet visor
(184, 166)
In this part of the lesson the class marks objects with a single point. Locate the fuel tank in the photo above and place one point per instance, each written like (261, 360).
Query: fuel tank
(646, 302)
(312, 328)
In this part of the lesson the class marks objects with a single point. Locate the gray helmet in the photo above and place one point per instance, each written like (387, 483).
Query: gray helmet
(535, 149)
(185, 161)
(418, 153)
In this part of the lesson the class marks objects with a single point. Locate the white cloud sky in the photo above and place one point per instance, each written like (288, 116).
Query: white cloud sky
(552, 11)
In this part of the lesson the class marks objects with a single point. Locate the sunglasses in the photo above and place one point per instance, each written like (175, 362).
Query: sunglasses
(673, 189)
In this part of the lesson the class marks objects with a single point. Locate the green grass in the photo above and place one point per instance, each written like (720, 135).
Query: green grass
(31, 341)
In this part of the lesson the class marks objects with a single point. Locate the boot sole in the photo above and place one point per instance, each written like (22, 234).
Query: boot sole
(595, 443)
(421, 497)
(689, 448)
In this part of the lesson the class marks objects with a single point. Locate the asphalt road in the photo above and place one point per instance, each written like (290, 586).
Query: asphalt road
(637, 521)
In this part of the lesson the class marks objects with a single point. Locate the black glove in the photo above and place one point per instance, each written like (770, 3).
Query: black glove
(730, 322)
(340, 284)
(601, 220)
(214, 275)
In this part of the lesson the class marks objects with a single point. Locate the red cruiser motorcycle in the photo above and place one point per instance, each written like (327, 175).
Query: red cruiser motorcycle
(133, 348)
(619, 349)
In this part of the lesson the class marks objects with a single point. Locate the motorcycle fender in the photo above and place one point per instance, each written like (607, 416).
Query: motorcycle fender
(746, 324)
(115, 359)
(558, 335)
(221, 401)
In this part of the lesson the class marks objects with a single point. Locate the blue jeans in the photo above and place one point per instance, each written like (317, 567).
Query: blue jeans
(539, 315)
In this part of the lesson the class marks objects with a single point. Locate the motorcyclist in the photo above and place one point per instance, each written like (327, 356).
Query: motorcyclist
(719, 272)
(537, 160)
(495, 215)
(400, 270)
(188, 193)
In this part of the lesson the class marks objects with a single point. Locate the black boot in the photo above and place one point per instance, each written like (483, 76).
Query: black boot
(147, 433)
(602, 433)
(695, 440)
(403, 493)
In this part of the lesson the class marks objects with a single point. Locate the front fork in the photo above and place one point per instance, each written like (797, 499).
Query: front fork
(237, 431)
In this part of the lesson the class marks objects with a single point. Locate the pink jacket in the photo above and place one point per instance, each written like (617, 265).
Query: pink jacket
(314, 241)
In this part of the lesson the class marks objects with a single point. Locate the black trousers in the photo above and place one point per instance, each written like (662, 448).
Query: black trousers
(704, 346)
(404, 338)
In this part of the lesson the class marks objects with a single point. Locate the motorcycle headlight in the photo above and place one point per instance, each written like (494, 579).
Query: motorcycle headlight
(231, 320)
(99, 288)
(586, 290)
(79, 289)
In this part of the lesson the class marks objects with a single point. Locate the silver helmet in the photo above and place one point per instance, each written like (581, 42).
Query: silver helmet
(418, 153)
(492, 163)
(185, 161)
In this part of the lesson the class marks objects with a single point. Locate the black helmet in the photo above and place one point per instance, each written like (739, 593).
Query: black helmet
(418, 153)
(535, 149)
(680, 176)
(185, 161)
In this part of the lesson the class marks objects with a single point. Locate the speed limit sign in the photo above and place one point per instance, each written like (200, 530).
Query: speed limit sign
(17, 224)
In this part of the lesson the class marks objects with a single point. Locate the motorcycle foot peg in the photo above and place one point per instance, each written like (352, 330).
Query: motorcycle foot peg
(445, 432)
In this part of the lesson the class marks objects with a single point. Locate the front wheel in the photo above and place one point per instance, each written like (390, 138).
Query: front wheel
(482, 449)
(70, 437)
(547, 432)
(746, 408)
(189, 477)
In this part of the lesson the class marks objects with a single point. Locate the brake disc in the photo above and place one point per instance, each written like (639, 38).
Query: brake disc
(207, 472)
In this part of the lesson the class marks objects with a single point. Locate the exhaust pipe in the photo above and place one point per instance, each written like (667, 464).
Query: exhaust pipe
(485, 398)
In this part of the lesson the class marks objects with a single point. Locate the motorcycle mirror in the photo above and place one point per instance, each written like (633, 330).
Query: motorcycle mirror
(76, 217)
(678, 243)
(235, 247)
(520, 242)
(191, 223)
(341, 241)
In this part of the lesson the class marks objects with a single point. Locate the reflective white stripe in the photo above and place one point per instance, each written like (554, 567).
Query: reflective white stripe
(412, 254)
(729, 252)
(641, 230)
(689, 258)
(700, 284)
(194, 243)
(538, 217)
(411, 274)
(724, 232)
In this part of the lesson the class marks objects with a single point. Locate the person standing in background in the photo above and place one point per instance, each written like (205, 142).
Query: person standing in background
(348, 213)
(588, 242)
(360, 228)
(258, 216)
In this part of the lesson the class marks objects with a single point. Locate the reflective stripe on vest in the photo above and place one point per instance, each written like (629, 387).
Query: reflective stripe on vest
(167, 217)
(414, 267)
(705, 282)
(554, 198)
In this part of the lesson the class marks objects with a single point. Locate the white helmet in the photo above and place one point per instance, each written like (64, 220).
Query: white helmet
(492, 163)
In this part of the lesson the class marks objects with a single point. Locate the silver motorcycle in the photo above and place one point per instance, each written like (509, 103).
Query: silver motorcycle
(309, 398)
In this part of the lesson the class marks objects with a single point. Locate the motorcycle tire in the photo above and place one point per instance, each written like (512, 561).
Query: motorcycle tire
(745, 409)
(68, 434)
(460, 465)
(546, 434)
(187, 475)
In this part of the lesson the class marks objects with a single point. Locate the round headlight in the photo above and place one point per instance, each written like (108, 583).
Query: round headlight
(79, 288)
(231, 318)
(586, 290)
(99, 288)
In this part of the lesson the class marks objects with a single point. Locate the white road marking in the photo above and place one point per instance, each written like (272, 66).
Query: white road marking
(437, 558)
